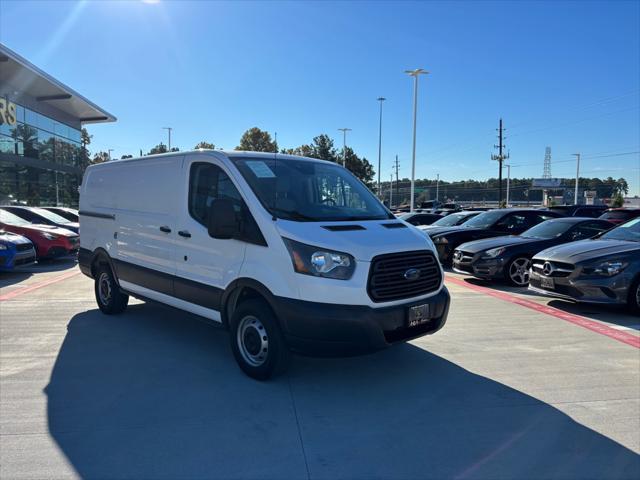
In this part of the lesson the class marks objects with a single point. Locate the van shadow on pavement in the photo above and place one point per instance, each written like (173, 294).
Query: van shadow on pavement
(155, 393)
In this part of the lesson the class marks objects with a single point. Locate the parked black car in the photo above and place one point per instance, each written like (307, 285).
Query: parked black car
(494, 223)
(592, 211)
(419, 218)
(42, 216)
(70, 214)
(510, 257)
(603, 270)
(452, 220)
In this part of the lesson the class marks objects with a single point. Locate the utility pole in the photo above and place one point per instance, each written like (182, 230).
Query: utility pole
(575, 195)
(437, 187)
(415, 74)
(500, 158)
(168, 129)
(344, 145)
(508, 179)
(391, 192)
(397, 167)
(380, 99)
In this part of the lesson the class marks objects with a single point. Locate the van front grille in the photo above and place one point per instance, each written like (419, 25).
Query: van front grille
(392, 276)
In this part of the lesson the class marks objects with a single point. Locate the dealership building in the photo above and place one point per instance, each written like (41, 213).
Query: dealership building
(41, 161)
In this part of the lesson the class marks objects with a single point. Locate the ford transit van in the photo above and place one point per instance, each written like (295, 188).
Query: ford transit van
(291, 254)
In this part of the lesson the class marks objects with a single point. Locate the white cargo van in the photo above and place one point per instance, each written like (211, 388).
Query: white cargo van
(290, 253)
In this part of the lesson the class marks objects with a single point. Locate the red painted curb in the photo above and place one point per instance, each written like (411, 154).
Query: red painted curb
(36, 286)
(583, 322)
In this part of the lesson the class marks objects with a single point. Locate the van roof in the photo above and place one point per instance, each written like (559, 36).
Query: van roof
(229, 153)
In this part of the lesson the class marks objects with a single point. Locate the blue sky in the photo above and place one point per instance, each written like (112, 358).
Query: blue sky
(560, 74)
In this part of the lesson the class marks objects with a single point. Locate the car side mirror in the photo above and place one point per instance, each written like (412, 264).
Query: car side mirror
(221, 220)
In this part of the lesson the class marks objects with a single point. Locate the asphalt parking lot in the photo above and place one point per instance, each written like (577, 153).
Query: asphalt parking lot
(514, 386)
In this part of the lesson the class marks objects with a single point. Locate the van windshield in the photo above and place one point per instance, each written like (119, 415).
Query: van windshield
(308, 191)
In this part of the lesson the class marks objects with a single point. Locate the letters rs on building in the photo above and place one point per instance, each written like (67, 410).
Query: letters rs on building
(7, 112)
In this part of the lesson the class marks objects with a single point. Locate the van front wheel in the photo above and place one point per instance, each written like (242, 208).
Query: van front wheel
(108, 296)
(256, 340)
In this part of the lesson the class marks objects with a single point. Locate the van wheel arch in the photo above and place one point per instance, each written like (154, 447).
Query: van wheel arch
(241, 290)
(100, 258)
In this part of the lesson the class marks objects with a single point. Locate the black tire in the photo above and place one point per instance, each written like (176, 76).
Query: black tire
(633, 299)
(257, 341)
(517, 271)
(109, 298)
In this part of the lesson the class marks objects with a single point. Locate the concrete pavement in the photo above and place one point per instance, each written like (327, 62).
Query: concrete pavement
(501, 392)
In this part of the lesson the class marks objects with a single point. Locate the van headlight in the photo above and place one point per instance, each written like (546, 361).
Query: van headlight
(320, 262)
(608, 268)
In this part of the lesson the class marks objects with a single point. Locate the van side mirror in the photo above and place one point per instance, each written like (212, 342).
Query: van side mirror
(221, 220)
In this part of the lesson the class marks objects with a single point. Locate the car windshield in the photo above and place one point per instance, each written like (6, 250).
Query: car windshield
(627, 231)
(310, 191)
(53, 217)
(451, 220)
(485, 219)
(11, 219)
(548, 229)
(617, 215)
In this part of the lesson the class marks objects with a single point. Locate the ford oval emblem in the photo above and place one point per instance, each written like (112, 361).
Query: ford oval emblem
(412, 274)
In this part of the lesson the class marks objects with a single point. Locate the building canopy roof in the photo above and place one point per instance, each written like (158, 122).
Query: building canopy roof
(21, 74)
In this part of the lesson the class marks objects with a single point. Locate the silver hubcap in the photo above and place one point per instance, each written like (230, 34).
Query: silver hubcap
(104, 288)
(519, 271)
(253, 341)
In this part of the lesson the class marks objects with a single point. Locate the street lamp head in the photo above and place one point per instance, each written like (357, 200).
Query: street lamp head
(344, 129)
(416, 72)
(381, 99)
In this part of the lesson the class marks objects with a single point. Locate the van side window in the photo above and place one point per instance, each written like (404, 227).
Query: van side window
(208, 183)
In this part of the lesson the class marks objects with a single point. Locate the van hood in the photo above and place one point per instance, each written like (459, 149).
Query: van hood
(364, 240)
(580, 251)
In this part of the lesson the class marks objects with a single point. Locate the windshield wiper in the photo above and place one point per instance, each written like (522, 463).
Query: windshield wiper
(294, 215)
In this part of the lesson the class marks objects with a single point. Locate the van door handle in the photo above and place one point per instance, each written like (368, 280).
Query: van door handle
(184, 233)
(165, 229)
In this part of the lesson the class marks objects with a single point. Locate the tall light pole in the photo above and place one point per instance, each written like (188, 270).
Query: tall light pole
(508, 180)
(391, 193)
(109, 152)
(415, 74)
(575, 195)
(380, 99)
(437, 188)
(344, 145)
(168, 129)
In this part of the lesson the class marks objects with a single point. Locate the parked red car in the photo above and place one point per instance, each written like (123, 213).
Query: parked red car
(49, 241)
(620, 215)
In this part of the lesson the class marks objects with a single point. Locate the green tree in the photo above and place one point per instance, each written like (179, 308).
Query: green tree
(126, 156)
(205, 145)
(617, 201)
(256, 140)
(85, 155)
(160, 148)
(100, 157)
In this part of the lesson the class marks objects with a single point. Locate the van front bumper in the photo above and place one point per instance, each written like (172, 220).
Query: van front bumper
(325, 329)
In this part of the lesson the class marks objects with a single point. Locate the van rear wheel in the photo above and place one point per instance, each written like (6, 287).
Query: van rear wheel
(256, 340)
(108, 295)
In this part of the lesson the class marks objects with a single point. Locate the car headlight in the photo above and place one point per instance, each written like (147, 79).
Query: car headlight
(3, 247)
(608, 268)
(320, 262)
(49, 236)
(494, 252)
(440, 240)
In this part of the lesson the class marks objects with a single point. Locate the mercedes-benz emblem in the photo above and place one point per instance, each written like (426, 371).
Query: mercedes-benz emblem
(547, 269)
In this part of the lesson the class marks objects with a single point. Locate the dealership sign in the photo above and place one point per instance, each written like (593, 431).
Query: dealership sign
(546, 183)
(7, 112)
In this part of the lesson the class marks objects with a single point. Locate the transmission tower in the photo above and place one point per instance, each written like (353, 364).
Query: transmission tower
(547, 163)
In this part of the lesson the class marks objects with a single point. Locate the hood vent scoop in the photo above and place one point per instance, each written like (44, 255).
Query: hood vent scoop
(343, 228)
(394, 225)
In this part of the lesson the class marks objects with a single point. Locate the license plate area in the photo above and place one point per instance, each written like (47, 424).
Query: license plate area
(547, 282)
(418, 315)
